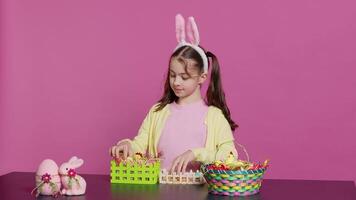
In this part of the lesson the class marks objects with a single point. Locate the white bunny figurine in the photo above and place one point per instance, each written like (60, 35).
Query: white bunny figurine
(72, 183)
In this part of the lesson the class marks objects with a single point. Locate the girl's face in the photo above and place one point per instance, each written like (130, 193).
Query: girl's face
(182, 83)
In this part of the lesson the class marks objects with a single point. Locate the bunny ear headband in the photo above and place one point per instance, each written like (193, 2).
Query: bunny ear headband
(193, 36)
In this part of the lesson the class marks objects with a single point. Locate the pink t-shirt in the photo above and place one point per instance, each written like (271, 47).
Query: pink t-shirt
(184, 129)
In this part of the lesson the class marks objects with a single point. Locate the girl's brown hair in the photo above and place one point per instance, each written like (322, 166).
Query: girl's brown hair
(215, 95)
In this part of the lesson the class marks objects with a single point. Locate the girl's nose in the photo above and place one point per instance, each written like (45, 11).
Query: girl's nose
(177, 81)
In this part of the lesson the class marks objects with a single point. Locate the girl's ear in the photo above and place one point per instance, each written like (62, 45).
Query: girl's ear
(192, 31)
(180, 31)
(203, 78)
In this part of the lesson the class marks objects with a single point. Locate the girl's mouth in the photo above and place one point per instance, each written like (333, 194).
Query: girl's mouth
(178, 90)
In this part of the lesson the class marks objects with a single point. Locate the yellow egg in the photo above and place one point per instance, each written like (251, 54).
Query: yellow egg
(217, 163)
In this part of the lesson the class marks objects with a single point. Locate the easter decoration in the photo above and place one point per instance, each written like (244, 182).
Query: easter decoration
(136, 169)
(190, 177)
(234, 177)
(72, 183)
(47, 178)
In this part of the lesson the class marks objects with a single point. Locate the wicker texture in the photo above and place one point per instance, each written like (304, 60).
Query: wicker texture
(233, 182)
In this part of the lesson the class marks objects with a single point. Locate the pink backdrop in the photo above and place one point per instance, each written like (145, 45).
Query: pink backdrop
(76, 76)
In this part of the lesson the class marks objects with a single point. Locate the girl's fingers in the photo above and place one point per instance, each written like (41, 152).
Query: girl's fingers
(121, 150)
(117, 151)
(110, 151)
(185, 164)
(180, 165)
(175, 162)
(113, 151)
(125, 151)
(130, 152)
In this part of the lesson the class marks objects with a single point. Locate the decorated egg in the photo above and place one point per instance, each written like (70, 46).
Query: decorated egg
(47, 178)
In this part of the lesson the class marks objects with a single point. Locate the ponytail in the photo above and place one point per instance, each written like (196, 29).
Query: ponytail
(215, 94)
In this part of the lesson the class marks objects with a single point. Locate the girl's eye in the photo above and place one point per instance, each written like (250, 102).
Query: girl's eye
(66, 168)
(184, 77)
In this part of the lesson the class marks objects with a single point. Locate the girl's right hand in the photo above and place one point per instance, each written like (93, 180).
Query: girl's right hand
(121, 150)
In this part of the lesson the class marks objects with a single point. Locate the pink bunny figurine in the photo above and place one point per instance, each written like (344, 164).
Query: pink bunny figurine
(72, 183)
(47, 178)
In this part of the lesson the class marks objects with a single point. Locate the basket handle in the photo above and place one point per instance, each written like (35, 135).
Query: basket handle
(244, 150)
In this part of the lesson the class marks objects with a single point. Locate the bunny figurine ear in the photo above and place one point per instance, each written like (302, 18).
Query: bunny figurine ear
(76, 162)
(192, 31)
(180, 31)
(72, 159)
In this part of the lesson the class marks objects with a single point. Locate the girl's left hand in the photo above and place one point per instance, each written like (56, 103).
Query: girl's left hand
(180, 163)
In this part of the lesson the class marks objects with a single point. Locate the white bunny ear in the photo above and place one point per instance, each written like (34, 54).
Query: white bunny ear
(72, 159)
(77, 163)
(192, 31)
(180, 32)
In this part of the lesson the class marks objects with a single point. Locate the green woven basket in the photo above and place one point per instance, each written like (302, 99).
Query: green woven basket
(233, 182)
(134, 173)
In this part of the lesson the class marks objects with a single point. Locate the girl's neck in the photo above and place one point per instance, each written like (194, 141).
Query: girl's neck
(195, 97)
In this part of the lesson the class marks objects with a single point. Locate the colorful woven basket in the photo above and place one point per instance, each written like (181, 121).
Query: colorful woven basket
(233, 182)
(134, 173)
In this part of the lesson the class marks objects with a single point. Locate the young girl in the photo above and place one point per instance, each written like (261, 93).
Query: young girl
(183, 128)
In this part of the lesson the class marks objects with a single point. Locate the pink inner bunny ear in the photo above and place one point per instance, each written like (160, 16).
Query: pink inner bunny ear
(77, 163)
(180, 32)
(192, 31)
(72, 159)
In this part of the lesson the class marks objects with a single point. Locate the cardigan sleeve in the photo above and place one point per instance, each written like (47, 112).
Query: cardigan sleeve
(140, 142)
(223, 141)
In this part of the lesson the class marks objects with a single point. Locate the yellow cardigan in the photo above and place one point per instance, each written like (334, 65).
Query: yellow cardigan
(219, 140)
